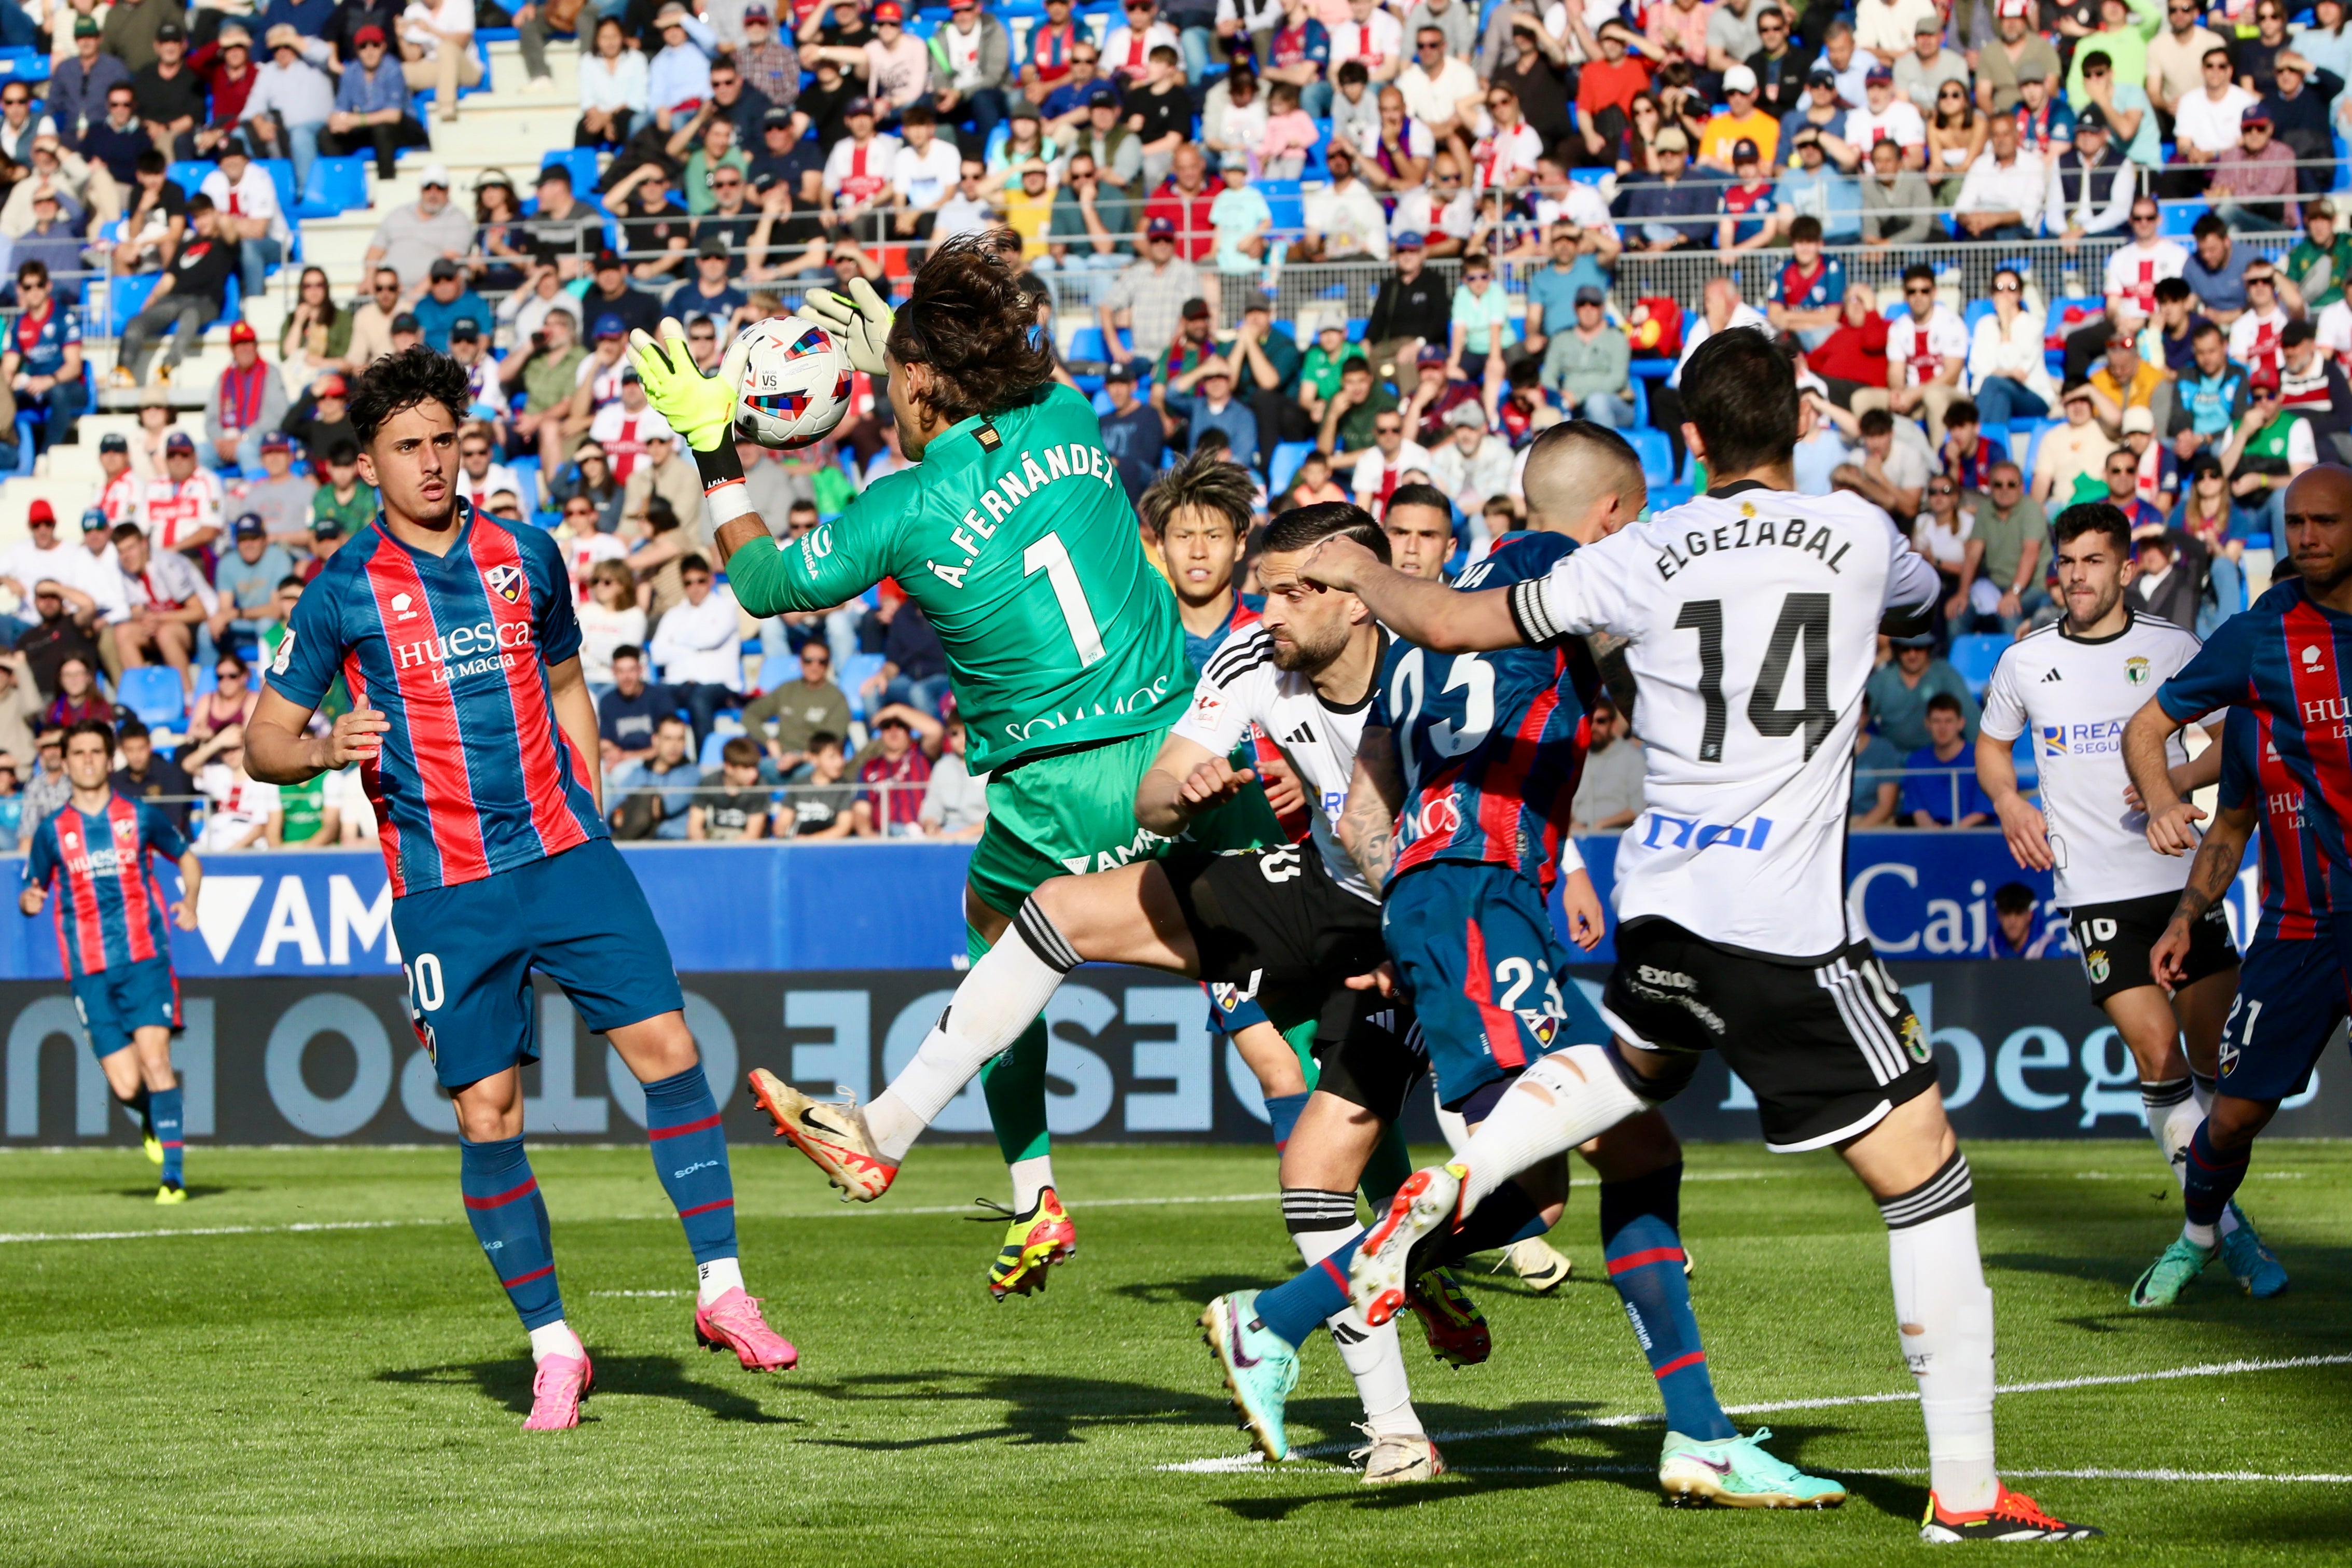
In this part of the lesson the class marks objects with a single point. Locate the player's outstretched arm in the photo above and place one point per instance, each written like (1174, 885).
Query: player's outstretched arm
(2020, 822)
(1185, 779)
(2210, 879)
(1367, 825)
(279, 748)
(1429, 613)
(2170, 819)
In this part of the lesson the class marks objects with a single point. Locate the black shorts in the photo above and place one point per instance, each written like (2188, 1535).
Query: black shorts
(1829, 1048)
(2115, 940)
(1379, 1060)
(1272, 924)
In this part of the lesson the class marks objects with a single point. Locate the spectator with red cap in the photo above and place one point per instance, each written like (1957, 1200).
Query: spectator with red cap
(890, 804)
(894, 64)
(248, 401)
(372, 106)
(2254, 183)
(972, 60)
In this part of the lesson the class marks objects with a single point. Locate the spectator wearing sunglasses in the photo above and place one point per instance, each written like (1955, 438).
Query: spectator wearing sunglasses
(788, 717)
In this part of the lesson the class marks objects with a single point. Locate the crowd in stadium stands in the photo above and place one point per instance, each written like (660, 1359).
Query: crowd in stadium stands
(1496, 169)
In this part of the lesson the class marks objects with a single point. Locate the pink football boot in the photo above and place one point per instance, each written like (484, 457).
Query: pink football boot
(733, 1322)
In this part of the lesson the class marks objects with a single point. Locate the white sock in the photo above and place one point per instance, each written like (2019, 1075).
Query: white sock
(1370, 1354)
(1567, 1097)
(1944, 1315)
(2172, 1113)
(1030, 1177)
(720, 1276)
(555, 1338)
(1001, 996)
(2204, 1235)
(1457, 1129)
(2202, 1089)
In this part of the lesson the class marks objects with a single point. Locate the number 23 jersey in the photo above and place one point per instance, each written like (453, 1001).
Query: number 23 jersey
(1753, 618)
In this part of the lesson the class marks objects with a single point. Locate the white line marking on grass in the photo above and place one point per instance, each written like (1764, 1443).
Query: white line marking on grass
(2082, 1475)
(665, 1295)
(1908, 1395)
(35, 1236)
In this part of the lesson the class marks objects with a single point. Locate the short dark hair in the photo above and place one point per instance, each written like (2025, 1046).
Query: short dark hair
(1807, 227)
(2012, 897)
(1962, 411)
(1353, 363)
(2171, 291)
(1421, 495)
(2093, 518)
(1741, 391)
(1353, 70)
(739, 752)
(130, 728)
(32, 270)
(686, 563)
(2205, 328)
(1919, 272)
(149, 161)
(823, 740)
(1301, 527)
(798, 507)
(1945, 702)
(1876, 422)
(400, 381)
(292, 579)
(2210, 224)
(96, 726)
(669, 719)
(1207, 481)
(628, 651)
(122, 533)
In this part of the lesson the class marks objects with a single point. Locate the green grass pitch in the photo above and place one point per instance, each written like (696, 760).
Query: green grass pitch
(354, 1394)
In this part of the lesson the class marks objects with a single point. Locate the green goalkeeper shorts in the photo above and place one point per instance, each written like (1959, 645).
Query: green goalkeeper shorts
(1075, 812)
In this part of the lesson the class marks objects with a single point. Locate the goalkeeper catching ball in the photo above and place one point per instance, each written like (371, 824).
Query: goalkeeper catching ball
(1014, 534)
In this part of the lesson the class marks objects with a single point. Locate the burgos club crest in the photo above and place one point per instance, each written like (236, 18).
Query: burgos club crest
(506, 581)
(2136, 671)
(2095, 964)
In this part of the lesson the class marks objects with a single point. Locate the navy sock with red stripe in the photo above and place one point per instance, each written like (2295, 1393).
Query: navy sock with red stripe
(509, 1218)
(2211, 1180)
(164, 1117)
(1296, 1308)
(1644, 1251)
(689, 1150)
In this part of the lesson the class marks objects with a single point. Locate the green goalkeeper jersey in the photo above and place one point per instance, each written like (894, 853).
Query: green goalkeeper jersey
(1016, 538)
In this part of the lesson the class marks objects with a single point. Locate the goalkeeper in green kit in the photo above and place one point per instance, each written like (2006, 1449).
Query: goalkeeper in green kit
(1014, 535)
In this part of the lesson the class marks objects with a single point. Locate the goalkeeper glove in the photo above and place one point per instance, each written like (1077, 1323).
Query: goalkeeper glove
(699, 407)
(862, 322)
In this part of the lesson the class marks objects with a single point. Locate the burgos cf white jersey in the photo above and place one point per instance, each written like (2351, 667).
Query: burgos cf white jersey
(1753, 617)
(2075, 695)
(1240, 686)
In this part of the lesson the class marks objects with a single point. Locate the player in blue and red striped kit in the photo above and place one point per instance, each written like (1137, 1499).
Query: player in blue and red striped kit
(91, 855)
(472, 727)
(2279, 666)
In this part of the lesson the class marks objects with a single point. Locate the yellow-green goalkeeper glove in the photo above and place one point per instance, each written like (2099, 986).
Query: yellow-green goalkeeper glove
(699, 407)
(862, 322)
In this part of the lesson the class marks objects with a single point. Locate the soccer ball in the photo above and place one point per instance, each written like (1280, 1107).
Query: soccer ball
(792, 382)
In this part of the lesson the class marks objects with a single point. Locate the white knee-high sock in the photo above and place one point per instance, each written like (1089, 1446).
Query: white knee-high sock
(1943, 1315)
(2171, 1108)
(1557, 1104)
(1001, 996)
(1321, 1223)
(1457, 1129)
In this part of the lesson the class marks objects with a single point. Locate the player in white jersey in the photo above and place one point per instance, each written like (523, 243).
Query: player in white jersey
(2073, 686)
(1751, 616)
(1285, 926)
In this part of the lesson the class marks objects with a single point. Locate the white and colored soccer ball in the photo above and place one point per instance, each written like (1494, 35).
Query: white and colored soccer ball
(792, 382)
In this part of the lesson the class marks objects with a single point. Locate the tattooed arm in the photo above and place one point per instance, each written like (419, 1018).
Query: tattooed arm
(2209, 877)
(1367, 827)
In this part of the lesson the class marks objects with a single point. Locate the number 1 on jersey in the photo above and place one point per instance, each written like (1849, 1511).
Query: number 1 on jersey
(1049, 556)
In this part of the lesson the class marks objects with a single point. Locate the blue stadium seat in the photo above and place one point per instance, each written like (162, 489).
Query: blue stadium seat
(281, 174)
(2180, 217)
(154, 693)
(1663, 497)
(581, 160)
(337, 186)
(24, 65)
(190, 175)
(1656, 451)
(863, 667)
(1975, 655)
(126, 297)
(2029, 765)
(26, 427)
(1282, 198)
(1287, 458)
(1086, 344)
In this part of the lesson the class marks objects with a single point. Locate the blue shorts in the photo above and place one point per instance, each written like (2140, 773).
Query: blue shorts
(117, 1003)
(2291, 997)
(1475, 948)
(578, 917)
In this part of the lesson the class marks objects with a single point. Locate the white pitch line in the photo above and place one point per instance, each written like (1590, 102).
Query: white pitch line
(37, 1235)
(2207, 1369)
(2083, 1475)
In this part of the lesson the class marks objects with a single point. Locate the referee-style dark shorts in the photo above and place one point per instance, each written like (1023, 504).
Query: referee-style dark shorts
(1829, 1048)
(2117, 938)
(1272, 924)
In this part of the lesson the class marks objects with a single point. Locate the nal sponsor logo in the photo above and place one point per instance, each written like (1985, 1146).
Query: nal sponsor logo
(465, 650)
